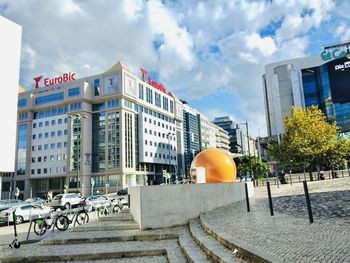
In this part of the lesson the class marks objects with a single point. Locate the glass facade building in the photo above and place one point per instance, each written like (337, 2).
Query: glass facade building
(317, 91)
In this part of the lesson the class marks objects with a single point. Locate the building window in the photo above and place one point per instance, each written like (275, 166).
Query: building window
(46, 135)
(49, 98)
(165, 104)
(52, 134)
(59, 133)
(171, 106)
(47, 123)
(149, 95)
(59, 121)
(97, 87)
(75, 106)
(22, 149)
(59, 145)
(140, 91)
(73, 92)
(129, 154)
(22, 103)
(158, 102)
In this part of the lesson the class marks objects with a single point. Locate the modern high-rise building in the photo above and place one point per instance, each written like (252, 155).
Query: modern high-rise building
(10, 51)
(239, 140)
(191, 131)
(109, 130)
(200, 134)
(318, 80)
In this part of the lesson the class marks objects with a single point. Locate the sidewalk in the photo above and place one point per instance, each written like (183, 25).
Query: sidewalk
(288, 236)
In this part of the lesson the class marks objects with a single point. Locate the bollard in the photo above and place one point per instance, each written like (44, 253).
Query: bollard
(247, 196)
(290, 179)
(129, 200)
(270, 198)
(307, 197)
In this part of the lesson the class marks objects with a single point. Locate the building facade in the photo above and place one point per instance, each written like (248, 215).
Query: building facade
(191, 131)
(318, 80)
(102, 130)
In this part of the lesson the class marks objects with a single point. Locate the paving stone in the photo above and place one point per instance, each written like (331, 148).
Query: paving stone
(288, 236)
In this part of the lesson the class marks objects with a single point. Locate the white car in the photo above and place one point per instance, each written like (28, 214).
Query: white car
(24, 212)
(65, 201)
(95, 201)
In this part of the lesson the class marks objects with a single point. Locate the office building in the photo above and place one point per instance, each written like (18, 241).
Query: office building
(106, 131)
(10, 50)
(191, 131)
(318, 80)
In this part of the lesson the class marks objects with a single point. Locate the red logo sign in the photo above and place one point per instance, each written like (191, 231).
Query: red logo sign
(54, 81)
(37, 79)
(154, 84)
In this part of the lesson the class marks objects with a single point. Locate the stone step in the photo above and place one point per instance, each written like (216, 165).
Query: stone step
(95, 251)
(117, 217)
(211, 246)
(147, 259)
(108, 225)
(245, 250)
(88, 237)
(189, 247)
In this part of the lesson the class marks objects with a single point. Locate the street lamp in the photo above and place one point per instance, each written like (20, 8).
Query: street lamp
(168, 137)
(77, 120)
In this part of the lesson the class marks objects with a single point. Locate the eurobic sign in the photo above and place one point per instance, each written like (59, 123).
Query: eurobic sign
(151, 82)
(337, 51)
(66, 77)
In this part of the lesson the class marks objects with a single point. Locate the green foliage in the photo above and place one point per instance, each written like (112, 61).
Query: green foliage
(253, 165)
(309, 140)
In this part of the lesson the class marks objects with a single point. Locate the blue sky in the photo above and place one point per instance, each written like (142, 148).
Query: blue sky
(209, 53)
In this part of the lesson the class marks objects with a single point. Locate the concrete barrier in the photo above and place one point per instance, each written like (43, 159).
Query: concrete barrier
(160, 206)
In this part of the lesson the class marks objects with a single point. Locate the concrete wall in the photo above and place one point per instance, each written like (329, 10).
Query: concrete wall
(10, 50)
(169, 205)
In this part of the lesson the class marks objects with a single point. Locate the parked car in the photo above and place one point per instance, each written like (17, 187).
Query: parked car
(7, 203)
(23, 212)
(35, 200)
(66, 201)
(95, 201)
(123, 191)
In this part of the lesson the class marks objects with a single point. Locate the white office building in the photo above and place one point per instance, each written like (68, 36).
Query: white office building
(100, 130)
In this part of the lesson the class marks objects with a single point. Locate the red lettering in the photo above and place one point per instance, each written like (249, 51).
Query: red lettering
(54, 81)
(37, 79)
(144, 74)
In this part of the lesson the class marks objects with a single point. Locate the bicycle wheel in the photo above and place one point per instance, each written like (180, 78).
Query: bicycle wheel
(40, 227)
(82, 217)
(116, 209)
(62, 223)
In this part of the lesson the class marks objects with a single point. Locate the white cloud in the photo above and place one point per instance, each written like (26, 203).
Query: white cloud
(266, 45)
(204, 47)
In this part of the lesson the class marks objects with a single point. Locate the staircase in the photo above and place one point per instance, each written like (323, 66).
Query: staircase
(117, 236)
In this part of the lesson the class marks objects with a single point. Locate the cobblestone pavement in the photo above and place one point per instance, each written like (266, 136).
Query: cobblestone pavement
(288, 236)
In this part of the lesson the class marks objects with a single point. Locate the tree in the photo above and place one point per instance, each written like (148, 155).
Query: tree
(309, 141)
(253, 165)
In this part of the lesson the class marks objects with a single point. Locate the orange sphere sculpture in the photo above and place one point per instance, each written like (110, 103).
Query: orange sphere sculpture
(218, 164)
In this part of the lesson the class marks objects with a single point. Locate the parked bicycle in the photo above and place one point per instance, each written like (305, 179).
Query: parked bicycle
(120, 205)
(60, 221)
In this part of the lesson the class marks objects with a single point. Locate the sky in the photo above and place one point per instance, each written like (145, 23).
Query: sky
(209, 53)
